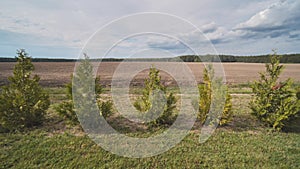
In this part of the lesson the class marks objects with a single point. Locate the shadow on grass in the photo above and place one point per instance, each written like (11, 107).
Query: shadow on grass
(247, 122)
(293, 126)
(244, 122)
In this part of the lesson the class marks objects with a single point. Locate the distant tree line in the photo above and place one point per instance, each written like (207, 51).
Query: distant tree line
(208, 58)
(286, 58)
(59, 60)
(38, 60)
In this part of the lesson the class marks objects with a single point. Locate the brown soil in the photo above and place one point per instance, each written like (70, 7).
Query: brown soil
(58, 73)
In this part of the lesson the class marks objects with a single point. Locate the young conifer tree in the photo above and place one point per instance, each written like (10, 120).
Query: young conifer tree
(156, 101)
(84, 80)
(23, 102)
(213, 89)
(274, 102)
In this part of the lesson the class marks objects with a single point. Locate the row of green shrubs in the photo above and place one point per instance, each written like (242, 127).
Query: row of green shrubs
(23, 103)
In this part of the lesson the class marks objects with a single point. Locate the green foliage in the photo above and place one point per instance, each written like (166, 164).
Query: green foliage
(298, 93)
(155, 101)
(66, 110)
(23, 102)
(213, 89)
(105, 108)
(84, 78)
(273, 103)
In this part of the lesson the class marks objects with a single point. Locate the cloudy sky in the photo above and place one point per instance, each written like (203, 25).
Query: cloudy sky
(60, 29)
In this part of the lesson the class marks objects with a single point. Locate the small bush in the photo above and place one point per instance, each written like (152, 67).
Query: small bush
(274, 103)
(84, 74)
(213, 89)
(66, 110)
(156, 101)
(23, 103)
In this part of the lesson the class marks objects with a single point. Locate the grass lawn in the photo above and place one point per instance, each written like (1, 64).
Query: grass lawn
(243, 143)
(225, 149)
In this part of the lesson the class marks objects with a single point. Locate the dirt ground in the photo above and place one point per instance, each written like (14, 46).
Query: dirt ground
(55, 74)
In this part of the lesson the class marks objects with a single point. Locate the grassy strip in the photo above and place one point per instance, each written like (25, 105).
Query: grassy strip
(224, 149)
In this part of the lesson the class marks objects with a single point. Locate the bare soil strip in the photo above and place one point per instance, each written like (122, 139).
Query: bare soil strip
(55, 74)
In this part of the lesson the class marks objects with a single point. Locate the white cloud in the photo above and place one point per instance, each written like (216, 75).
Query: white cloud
(280, 19)
(70, 23)
(61, 23)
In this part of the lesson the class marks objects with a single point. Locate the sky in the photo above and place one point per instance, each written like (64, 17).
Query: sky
(62, 29)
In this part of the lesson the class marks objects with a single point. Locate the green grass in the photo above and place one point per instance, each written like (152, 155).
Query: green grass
(239, 90)
(225, 149)
(243, 143)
